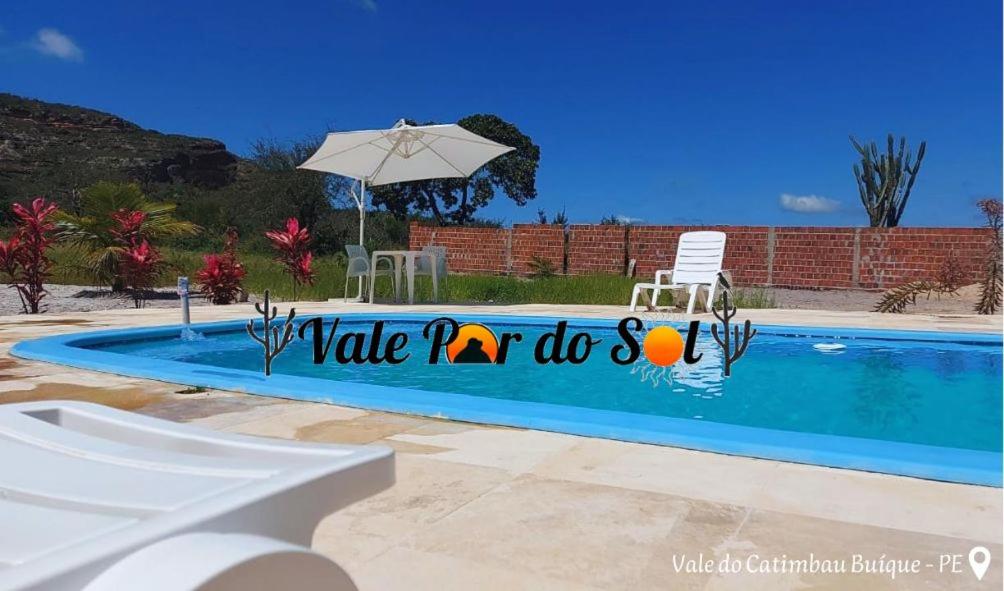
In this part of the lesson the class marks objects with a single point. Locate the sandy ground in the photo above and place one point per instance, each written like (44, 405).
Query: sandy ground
(851, 300)
(78, 298)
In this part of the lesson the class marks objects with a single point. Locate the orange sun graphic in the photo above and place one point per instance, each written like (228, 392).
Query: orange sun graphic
(663, 346)
(472, 339)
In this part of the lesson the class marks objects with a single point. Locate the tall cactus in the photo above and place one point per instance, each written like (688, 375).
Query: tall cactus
(272, 339)
(885, 180)
(734, 345)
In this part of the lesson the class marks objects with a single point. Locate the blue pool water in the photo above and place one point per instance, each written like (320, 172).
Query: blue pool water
(935, 393)
(929, 392)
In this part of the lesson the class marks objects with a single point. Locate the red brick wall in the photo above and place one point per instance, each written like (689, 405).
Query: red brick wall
(536, 240)
(895, 256)
(654, 248)
(468, 250)
(813, 257)
(419, 236)
(806, 257)
(596, 249)
(747, 254)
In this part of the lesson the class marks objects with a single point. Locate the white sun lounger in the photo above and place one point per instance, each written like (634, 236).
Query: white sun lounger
(699, 257)
(98, 499)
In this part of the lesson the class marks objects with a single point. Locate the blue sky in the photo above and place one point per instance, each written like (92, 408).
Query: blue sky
(668, 112)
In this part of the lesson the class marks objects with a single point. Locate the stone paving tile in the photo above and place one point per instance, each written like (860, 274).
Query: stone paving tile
(515, 450)
(425, 571)
(212, 409)
(575, 532)
(768, 534)
(412, 448)
(122, 397)
(703, 528)
(699, 475)
(292, 417)
(77, 378)
(242, 413)
(940, 508)
(441, 427)
(426, 491)
(362, 428)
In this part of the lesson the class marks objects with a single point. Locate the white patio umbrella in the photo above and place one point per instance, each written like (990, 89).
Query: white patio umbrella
(402, 153)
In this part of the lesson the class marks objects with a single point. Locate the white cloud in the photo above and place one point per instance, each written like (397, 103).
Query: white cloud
(808, 203)
(626, 219)
(368, 5)
(52, 42)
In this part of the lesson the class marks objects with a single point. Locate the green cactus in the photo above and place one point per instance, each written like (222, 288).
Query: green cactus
(885, 180)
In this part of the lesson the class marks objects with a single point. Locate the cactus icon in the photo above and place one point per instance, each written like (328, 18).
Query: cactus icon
(734, 344)
(273, 339)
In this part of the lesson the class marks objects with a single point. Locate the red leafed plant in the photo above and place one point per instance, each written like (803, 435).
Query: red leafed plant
(128, 226)
(139, 264)
(220, 277)
(293, 244)
(22, 258)
(140, 267)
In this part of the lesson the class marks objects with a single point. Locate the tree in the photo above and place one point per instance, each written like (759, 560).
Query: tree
(269, 187)
(617, 220)
(289, 192)
(559, 219)
(885, 180)
(455, 201)
(96, 231)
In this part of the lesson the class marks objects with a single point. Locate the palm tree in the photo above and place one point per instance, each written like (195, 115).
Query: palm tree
(91, 233)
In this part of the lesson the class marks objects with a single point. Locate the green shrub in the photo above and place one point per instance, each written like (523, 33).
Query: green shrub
(541, 267)
(264, 273)
(750, 298)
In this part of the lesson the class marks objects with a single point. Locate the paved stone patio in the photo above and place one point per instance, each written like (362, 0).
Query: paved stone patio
(481, 507)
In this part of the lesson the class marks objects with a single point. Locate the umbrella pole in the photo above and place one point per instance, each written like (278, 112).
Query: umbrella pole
(362, 227)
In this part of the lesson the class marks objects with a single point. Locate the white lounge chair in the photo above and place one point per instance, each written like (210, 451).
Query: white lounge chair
(98, 499)
(699, 257)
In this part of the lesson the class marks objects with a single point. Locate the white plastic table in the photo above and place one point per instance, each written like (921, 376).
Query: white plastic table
(407, 257)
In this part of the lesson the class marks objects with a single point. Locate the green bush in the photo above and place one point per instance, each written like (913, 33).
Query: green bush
(90, 234)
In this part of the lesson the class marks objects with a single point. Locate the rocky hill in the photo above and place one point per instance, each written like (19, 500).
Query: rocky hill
(51, 149)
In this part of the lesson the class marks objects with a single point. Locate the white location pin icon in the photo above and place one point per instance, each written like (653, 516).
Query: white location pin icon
(979, 560)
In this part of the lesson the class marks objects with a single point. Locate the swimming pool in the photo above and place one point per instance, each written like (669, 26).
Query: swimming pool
(902, 402)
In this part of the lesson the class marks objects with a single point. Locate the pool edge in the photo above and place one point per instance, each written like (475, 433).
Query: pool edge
(902, 459)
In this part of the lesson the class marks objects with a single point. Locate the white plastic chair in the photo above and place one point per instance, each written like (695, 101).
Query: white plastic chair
(699, 257)
(99, 499)
(359, 266)
(422, 267)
